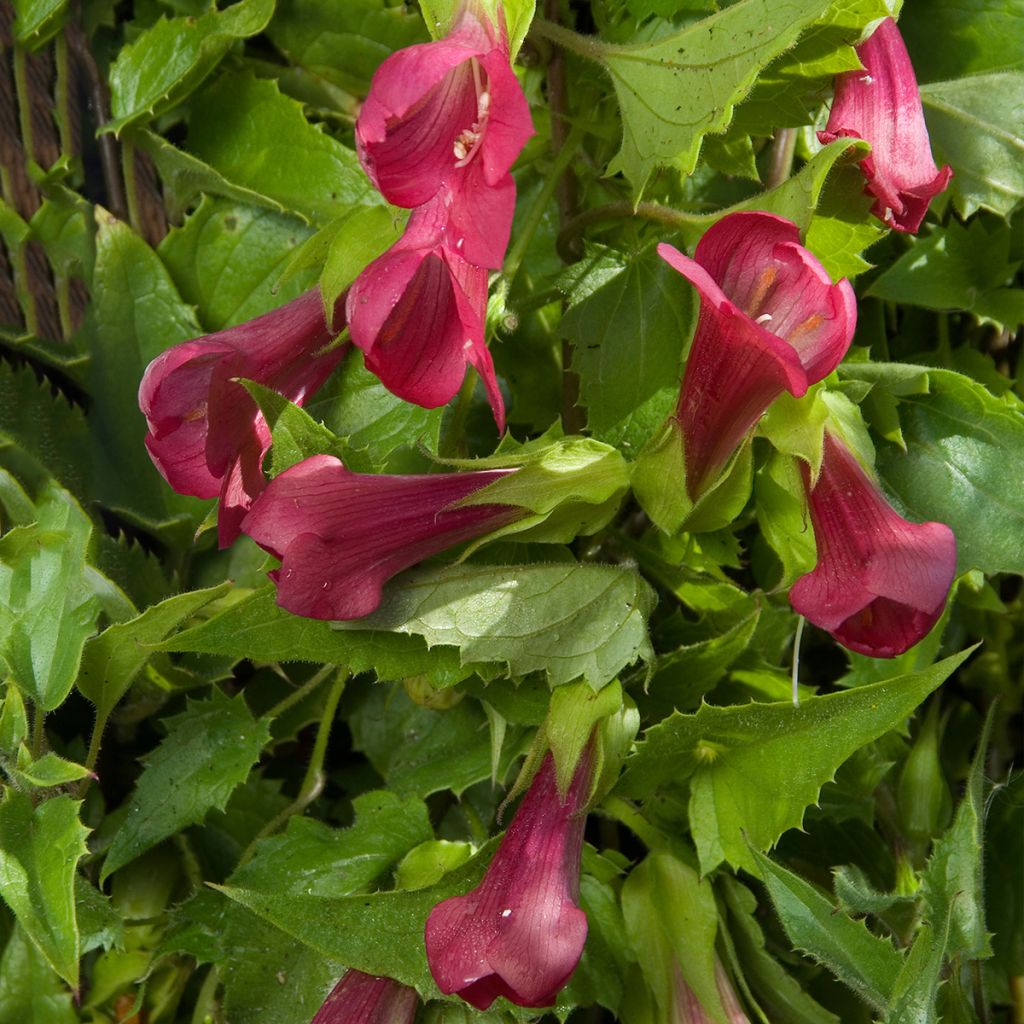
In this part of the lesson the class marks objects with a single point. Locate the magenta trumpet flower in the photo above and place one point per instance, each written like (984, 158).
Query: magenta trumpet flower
(341, 535)
(448, 114)
(418, 314)
(519, 933)
(360, 998)
(771, 320)
(881, 582)
(882, 105)
(206, 434)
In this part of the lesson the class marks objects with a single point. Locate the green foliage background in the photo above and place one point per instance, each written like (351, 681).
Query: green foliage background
(211, 807)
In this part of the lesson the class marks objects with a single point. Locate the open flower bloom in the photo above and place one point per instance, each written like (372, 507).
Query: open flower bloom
(360, 998)
(881, 582)
(449, 113)
(519, 933)
(206, 434)
(418, 313)
(771, 320)
(882, 105)
(341, 536)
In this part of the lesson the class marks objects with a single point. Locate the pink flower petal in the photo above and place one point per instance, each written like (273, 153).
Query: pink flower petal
(360, 998)
(519, 933)
(882, 105)
(881, 582)
(341, 536)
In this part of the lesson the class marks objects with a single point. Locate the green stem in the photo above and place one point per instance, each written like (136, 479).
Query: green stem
(453, 443)
(300, 693)
(536, 212)
(63, 93)
(625, 813)
(130, 187)
(95, 741)
(38, 731)
(313, 781)
(624, 210)
(24, 102)
(592, 49)
(781, 158)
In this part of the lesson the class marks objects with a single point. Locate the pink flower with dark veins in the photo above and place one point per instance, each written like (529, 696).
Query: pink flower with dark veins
(418, 313)
(341, 535)
(882, 105)
(206, 434)
(771, 320)
(360, 998)
(881, 582)
(448, 114)
(520, 932)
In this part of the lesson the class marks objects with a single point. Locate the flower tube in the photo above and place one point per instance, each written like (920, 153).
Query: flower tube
(360, 998)
(341, 535)
(881, 582)
(418, 314)
(882, 105)
(520, 932)
(206, 434)
(771, 320)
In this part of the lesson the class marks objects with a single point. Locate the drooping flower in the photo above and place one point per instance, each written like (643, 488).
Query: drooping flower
(688, 1009)
(341, 535)
(449, 114)
(519, 933)
(881, 582)
(771, 320)
(882, 105)
(206, 434)
(360, 998)
(418, 314)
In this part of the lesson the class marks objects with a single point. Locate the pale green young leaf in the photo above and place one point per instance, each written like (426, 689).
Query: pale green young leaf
(977, 125)
(208, 750)
(170, 59)
(13, 721)
(48, 770)
(39, 851)
(914, 993)
(757, 768)
(677, 89)
(112, 660)
(569, 621)
(867, 964)
(258, 138)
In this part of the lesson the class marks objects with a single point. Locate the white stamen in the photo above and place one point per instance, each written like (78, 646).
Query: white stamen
(764, 318)
(866, 79)
(459, 149)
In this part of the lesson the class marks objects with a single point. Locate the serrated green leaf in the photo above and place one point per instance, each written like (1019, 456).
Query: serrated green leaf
(569, 621)
(99, 923)
(226, 260)
(779, 992)
(47, 608)
(964, 458)
(952, 882)
(187, 178)
(380, 933)
(917, 985)
(857, 895)
(170, 59)
(48, 770)
(208, 751)
(868, 964)
(31, 992)
(628, 338)
(137, 314)
(977, 36)
(343, 44)
(420, 751)
(757, 768)
(977, 125)
(259, 138)
(675, 90)
(112, 660)
(38, 20)
(254, 627)
(39, 851)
